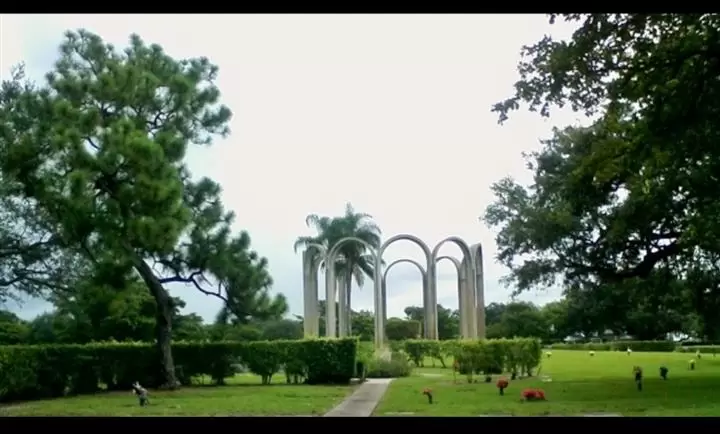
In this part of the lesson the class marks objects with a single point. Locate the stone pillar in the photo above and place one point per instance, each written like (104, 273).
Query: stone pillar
(342, 306)
(462, 301)
(379, 296)
(308, 313)
(427, 308)
(330, 288)
(315, 295)
(468, 313)
(431, 303)
(384, 305)
(479, 290)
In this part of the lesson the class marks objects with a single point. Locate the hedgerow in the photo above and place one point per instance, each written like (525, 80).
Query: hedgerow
(641, 346)
(47, 371)
(492, 356)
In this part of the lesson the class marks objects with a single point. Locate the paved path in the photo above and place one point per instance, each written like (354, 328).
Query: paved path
(363, 401)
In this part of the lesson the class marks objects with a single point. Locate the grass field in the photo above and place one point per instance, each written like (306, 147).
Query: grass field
(242, 396)
(580, 384)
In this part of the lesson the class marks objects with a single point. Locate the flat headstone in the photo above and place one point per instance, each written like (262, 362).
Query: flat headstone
(431, 375)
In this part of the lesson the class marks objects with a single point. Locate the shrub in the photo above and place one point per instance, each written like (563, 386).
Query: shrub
(46, 371)
(365, 354)
(397, 366)
(642, 346)
(488, 357)
(704, 349)
(417, 350)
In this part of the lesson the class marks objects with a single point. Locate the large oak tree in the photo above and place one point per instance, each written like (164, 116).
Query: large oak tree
(634, 192)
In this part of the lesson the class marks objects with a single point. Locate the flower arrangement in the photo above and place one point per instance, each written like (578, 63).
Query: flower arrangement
(629, 351)
(427, 392)
(533, 395)
(698, 355)
(502, 384)
(691, 364)
(592, 353)
(548, 354)
(663, 372)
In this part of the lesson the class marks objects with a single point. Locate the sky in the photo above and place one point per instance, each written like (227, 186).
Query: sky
(388, 112)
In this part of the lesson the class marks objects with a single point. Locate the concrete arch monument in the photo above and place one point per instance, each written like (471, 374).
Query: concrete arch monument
(423, 273)
(470, 288)
(467, 296)
(430, 317)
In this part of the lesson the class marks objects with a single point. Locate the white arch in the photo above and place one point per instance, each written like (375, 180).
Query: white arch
(455, 262)
(423, 274)
(466, 295)
(427, 297)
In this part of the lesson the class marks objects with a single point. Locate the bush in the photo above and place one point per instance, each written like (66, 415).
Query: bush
(641, 346)
(47, 371)
(365, 354)
(703, 349)
(397, 366)
(492, 356)
(695, 343)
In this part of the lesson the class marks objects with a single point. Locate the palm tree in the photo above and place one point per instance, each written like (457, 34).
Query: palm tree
(354, 261)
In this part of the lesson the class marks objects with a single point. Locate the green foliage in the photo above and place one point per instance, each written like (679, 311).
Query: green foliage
(398, 329)
(491, 356)
(448, 320)
(98, 151)
(397, 366)
(35, 372)
(13, 330)
(622, 210)
(702, 349)
(641, 346)
(495, 356)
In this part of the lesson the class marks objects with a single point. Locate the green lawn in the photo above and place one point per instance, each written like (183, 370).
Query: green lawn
(243, 396)
(579, 384)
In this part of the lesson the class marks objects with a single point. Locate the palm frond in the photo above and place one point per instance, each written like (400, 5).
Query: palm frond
(358, 273)
(304, 241)
(367, 267)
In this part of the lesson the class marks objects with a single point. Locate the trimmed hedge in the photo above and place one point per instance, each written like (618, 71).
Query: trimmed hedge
(640, 346)
(491, 356)
(36, 372)
(703, 349)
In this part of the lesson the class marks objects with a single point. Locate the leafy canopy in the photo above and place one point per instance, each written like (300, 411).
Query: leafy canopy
(634, 191)
(100, 151)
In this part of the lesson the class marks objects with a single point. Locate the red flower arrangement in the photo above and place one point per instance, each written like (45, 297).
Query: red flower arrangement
(502, 384)
(533, 395)
(428, 392)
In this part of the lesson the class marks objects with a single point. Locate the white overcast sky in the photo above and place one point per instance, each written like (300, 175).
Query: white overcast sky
(389, 112)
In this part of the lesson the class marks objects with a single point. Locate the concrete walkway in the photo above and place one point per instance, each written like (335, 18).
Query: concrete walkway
(363, 401)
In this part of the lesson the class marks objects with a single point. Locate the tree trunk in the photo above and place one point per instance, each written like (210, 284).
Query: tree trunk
(163, 322)
(348, 285)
